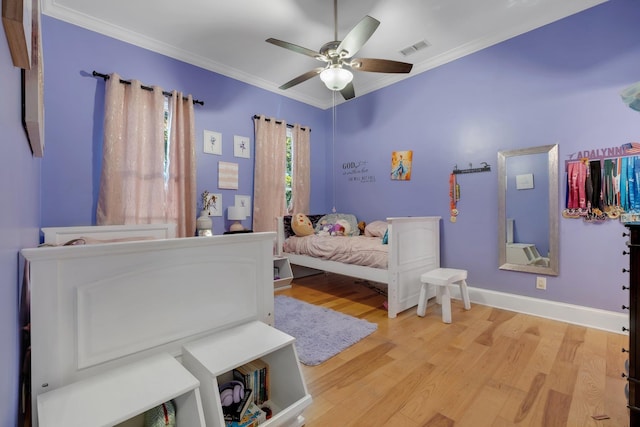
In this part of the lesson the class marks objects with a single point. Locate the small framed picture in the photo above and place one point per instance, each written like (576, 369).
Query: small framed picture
(215, 205)
(245, 203)
(212, 142)
(241, 147)
(228, 175)
(401, 165)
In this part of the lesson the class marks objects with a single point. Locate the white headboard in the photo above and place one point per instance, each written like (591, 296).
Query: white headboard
(96, 307)
(61, 235)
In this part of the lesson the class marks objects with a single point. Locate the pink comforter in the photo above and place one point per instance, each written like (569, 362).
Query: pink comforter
(359, 250)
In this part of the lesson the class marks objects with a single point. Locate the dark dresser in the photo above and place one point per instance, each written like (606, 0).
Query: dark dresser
(633, 373)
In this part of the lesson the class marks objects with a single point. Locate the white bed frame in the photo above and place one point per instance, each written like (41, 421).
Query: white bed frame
(62, 235)
(96, 308)
(414, 248)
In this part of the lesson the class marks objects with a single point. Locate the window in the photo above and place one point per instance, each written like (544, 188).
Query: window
(164, 187)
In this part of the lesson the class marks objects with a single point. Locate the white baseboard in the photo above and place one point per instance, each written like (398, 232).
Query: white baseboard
(578, 315)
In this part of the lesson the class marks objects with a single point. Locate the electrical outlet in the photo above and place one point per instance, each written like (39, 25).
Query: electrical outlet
(541, 283)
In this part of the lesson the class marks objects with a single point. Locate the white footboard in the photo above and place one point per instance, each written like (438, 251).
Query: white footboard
(98, 307)
(414, 248)
(108, 233)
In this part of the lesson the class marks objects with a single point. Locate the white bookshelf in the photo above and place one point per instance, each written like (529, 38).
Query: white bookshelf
(282, 270)
(121, 395)
(523, 253)
(218, 354)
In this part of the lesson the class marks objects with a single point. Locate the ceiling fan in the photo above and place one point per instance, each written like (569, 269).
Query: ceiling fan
(339, 57)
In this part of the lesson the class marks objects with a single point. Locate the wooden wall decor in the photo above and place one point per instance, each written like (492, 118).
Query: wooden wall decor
(16, 19)
(33, 88)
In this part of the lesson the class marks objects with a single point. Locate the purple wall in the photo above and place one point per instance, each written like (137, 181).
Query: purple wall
(74, 106)
(19, 222)
(558, 84)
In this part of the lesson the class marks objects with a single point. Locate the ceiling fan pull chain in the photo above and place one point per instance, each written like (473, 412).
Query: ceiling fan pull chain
(335, 20)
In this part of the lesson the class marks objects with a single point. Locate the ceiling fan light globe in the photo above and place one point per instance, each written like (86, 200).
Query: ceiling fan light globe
(336, 78)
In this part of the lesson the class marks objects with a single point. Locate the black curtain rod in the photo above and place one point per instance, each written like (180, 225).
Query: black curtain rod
(278, 122)
(127, 82)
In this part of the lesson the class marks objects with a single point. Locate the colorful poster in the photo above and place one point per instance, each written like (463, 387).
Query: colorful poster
(401, 165)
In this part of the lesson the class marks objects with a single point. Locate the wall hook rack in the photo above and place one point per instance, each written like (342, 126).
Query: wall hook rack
(485, 168)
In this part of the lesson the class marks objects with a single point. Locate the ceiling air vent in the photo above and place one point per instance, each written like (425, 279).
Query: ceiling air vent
(415, 48)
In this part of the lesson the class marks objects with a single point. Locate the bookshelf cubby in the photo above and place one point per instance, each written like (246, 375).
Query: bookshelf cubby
(282, 279)
(215, 357)
(120, 396)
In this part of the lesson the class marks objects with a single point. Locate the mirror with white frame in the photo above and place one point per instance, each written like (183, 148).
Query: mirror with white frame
(528, 210)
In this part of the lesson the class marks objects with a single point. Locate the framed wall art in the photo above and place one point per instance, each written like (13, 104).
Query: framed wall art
(16, 20)
(215, 204)
(33, 85)
(401, 165)
(228, 175)
(21, 21)
(241, 146)
(245, 203)
(212, 142)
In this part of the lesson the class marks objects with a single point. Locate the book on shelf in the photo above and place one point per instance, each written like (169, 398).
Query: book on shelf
(252, 417)
(255, 375)
(236, 411)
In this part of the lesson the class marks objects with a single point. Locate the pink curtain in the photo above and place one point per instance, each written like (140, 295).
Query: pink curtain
(301, 176)
(181, 189)
(268, 181)
(133, 184)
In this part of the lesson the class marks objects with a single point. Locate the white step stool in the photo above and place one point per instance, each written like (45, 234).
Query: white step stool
(442, 278)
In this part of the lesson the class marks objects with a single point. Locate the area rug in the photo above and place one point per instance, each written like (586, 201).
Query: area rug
(320, 333)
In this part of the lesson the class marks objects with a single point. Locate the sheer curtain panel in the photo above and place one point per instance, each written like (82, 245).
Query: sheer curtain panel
(181, 189)
(301, 175)
(268, 180)
(136, 186)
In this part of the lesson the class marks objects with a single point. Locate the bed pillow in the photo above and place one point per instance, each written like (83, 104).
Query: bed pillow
(301, 225)
(376, 229)
(333, 219)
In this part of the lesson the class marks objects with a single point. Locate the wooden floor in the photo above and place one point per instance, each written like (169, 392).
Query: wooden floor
(490, 367)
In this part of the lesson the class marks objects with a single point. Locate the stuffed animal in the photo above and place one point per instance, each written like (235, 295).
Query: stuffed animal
(161, 416)
(301, 225)
(361, 226)
(325, 230)
(337, 230)
(346, 227)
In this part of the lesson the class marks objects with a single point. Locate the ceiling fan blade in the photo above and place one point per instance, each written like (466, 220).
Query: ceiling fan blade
(358, 36)
(348, 92)
(296, 48)
(380, 65)
(302, 78)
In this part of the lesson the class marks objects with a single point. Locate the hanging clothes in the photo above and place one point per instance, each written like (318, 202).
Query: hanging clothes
(609, 187)
(577, 194)
(624, 185)
(595, 177)
(636, 187)
(631, 183)
(588, 186)
(603, 188)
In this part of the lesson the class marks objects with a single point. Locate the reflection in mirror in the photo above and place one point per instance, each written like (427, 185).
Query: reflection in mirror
(528, 210)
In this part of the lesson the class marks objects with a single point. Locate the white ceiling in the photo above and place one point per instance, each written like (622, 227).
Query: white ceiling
(228, 37)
